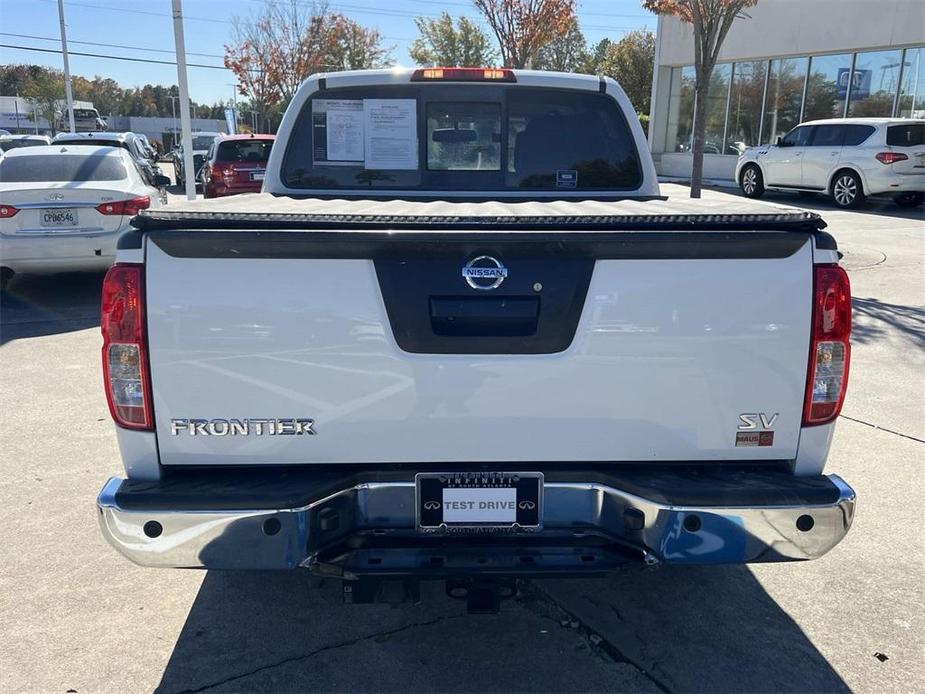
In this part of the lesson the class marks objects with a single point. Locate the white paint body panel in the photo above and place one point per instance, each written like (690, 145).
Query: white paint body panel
(666, 355)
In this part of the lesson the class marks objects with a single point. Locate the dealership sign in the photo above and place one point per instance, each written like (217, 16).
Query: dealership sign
(860, 83)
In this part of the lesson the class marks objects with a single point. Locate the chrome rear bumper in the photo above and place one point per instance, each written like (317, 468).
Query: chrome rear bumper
(370, 527)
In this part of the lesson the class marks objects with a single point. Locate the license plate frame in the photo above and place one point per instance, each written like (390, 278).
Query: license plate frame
(478, 488)
(70, 217)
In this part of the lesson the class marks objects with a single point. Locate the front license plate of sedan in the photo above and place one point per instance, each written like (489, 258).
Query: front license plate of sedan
(59, 217)
(474, 501)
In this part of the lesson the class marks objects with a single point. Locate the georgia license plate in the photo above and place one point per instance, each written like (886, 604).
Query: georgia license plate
(59, 217)
(474, 501)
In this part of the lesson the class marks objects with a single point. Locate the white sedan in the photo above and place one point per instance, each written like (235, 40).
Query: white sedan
(64, 208)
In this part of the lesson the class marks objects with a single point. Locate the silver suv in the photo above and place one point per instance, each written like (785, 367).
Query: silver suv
(846, 158)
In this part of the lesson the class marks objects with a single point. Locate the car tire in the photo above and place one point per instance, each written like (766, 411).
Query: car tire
(751, 182)
(847, 191)
(909, 199)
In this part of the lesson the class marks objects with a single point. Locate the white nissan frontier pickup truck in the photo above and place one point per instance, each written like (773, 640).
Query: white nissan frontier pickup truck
(460, 335)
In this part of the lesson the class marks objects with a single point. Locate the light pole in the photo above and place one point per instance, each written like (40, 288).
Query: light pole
(185, 124)
(234, 105)
(67, 69)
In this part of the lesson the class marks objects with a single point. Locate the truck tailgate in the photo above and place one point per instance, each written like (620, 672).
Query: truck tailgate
(617, 346)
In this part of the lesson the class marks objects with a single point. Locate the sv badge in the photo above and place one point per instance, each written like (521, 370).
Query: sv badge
(752, 420)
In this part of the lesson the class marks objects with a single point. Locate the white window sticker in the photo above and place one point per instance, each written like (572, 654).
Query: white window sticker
(337, 131)
(391, 140)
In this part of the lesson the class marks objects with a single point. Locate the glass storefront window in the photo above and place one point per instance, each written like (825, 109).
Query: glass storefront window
(912, 92)
(785, 94)
(874, 84)
(681, 109)
(715, 117)
(828, 86)
(745, 105)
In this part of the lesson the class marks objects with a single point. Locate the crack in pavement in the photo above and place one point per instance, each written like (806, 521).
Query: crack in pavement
(880, 428)
(609, 649)
(322, 649)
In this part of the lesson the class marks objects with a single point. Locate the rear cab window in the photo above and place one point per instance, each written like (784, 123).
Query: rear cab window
(57, 168)
(461, 137)
(906, 135)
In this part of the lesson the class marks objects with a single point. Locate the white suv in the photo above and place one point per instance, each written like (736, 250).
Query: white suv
(846, 158)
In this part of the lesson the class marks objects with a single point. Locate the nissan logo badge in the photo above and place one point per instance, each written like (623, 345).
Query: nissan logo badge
(484, 273)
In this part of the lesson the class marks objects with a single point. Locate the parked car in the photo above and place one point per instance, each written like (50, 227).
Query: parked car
(64, 208)
(9, 142)
(201, 143)
(86, 120)
(128, 141)
(460, 336)
(235, 164)
(848, 159)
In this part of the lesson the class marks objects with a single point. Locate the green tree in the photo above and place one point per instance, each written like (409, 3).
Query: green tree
(44, 93)
(596, 57)
(565, 53)
(14, 79)
(106, 94)
(355, 47)
(441, 44)
(630, 62)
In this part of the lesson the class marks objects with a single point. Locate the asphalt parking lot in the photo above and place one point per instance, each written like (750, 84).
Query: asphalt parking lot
(76, 617)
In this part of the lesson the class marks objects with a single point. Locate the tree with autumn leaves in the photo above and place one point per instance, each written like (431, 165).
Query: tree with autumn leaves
(524, 27)
(711, 21)
(274, 50)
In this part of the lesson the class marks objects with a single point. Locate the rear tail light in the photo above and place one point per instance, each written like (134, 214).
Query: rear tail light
(830, 351)
(890, 157)
(7, 211)
(125, 355)
(464, 74)
(125, 207)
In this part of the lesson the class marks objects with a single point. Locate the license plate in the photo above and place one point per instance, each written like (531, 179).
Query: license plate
(474, 501)
(257, 175)
(59, 217)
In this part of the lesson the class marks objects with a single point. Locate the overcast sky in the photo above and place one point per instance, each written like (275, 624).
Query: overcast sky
(143, 29)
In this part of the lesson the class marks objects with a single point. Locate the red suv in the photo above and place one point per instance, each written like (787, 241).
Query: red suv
(235, 164)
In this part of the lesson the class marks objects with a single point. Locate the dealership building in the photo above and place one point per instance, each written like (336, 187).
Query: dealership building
(787, 62)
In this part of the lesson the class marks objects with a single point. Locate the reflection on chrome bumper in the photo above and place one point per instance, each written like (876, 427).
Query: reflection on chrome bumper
(288, 538)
